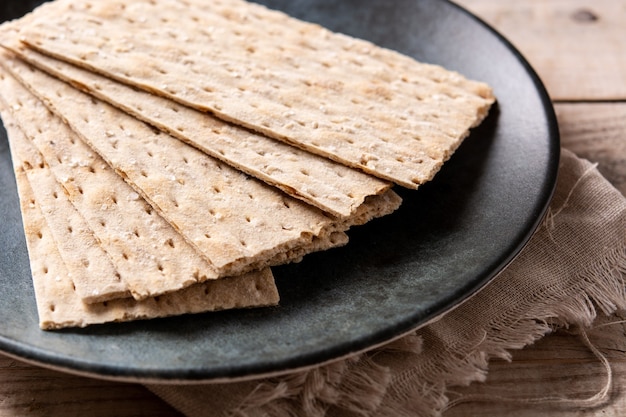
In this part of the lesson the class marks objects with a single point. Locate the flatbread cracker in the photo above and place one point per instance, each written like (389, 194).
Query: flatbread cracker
(331, 94)
(58, 300)
(321, 182)
(151, 257)
(59, 305)
(237, 222)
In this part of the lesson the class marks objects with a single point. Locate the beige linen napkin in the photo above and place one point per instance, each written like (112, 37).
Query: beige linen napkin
(572, 269)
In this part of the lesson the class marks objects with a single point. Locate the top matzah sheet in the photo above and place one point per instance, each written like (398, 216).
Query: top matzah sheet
(331, 94)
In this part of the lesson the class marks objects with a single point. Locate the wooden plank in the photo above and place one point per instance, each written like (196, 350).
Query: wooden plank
(578, 47)
(37, 392)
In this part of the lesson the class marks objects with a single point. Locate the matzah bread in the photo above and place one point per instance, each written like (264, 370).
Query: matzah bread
(278, 91)
(340, 97)
(59, 306)
(237, 222)
(323, 183)
(151, 257)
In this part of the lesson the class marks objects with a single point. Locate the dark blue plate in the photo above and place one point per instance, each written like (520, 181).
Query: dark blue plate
(448, 239)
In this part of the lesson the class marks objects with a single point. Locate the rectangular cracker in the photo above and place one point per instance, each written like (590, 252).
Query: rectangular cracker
(152, 258)
(237, 222)
(318, 181)
(59, 305)
(331, 94)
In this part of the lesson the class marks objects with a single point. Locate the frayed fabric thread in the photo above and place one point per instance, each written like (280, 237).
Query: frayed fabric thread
(355, 385)
(605, 293)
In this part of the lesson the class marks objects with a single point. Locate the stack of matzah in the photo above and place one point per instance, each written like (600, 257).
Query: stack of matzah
(169, 152)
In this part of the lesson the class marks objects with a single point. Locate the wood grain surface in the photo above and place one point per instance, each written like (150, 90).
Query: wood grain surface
(27, 390)
(578, 48)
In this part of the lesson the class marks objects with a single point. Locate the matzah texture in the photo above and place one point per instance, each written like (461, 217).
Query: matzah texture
(58, 304)
(323, 183)
(180, 141)
(331, 94)
(234, 220)
(151, 257)
(95, 277)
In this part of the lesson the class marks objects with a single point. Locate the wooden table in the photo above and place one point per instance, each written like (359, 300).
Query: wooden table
(578, 48)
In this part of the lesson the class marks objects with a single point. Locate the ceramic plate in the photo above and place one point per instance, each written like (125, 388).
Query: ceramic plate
(448, 239)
